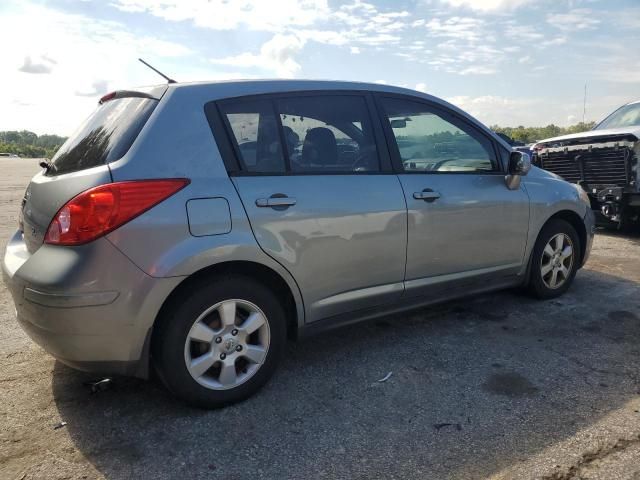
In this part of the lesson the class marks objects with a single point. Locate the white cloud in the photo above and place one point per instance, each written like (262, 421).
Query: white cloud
(358, 7)
(390, 27)
(612, 62)
(508, 111)
(532, 36)
(467, 46)
(540, 68)
(554, 42)
(523, 33)
(328, 37)
(379, 39)
(77, 53)
(363, 24)
(491, 109)
(577, 19)
(354, 24)
(488, 5)
(228, 15)
(98, 87)
(628, 18)
(617, 69)
(43, 64)
(478, 70)
(82, 56)
(462, 28)
(421, 87)
(277, 55)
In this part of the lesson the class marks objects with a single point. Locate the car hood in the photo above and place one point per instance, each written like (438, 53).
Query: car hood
(596, 134)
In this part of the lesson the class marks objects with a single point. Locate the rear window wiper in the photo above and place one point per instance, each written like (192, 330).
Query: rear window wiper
(48, 165)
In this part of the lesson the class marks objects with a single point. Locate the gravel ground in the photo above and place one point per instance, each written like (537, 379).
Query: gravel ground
(499, 386)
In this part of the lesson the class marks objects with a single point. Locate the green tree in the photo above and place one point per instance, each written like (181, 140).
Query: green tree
(534, 134)
(28, 144)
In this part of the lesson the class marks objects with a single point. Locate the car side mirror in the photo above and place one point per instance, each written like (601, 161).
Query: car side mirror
(519, 163)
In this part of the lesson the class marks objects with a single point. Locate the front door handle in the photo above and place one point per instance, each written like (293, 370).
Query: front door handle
(277, 200)
(427, 195)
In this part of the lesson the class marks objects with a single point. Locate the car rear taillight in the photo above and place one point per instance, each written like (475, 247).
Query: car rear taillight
(100, 210)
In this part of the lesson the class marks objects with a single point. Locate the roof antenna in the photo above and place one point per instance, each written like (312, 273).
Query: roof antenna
(169, 80)
(584, 103)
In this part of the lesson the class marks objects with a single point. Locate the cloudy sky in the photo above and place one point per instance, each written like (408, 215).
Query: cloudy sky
(512, 62)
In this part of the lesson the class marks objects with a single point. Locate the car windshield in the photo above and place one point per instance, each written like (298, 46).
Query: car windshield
(626, 116)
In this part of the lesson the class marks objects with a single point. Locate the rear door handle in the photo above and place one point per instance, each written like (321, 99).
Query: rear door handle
(276, 201)
(427, 195)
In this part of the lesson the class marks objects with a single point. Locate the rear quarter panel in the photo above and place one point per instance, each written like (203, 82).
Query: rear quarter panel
(177, 142)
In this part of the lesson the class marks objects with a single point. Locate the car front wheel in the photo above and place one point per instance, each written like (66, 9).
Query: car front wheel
(555, 259)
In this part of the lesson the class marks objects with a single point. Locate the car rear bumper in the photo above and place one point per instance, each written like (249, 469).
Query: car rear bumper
(88, 306)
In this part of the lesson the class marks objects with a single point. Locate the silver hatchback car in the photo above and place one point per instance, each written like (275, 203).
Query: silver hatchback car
(192, 228)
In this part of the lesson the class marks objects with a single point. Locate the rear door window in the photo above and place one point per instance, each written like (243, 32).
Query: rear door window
(328, 133)
(300, 134)
(105, 136)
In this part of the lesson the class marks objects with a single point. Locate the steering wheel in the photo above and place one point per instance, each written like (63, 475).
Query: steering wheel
(437, 165)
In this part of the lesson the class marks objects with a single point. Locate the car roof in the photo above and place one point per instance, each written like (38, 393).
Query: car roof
(254, 87)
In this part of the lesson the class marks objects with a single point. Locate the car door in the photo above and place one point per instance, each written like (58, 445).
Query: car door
(465, 227)
(320, 198)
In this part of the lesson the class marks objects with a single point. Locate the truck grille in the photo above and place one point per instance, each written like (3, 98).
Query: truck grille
(594, 167)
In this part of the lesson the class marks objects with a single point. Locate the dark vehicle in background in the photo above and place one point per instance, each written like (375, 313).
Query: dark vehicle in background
(604, 162)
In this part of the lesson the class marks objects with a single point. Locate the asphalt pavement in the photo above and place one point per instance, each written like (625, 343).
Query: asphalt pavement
(499, 386)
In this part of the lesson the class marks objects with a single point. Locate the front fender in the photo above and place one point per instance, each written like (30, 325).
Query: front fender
(549, 195)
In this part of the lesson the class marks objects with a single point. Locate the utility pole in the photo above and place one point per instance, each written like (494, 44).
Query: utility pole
(584, 103)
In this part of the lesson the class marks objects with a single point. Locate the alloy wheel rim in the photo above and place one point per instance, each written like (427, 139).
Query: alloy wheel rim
(557, 261)
(227, 344)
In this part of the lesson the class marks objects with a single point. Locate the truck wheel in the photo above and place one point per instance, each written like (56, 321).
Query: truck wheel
(555, 260)
(220, 342)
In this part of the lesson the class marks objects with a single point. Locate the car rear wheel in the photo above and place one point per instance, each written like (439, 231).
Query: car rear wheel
(220, 342)
(555, 259)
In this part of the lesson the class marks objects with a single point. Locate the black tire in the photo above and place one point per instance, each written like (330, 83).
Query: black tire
(537, 286)
(176, 321)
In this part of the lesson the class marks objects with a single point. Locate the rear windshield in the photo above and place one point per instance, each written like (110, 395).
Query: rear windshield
(105, 136)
